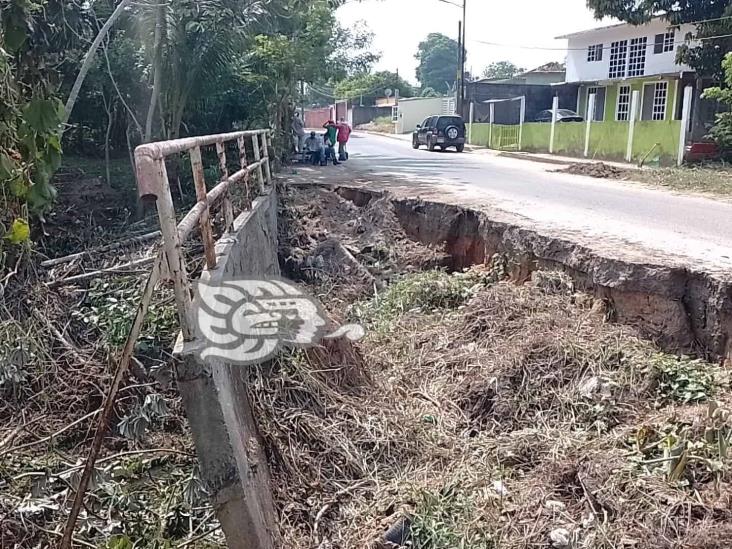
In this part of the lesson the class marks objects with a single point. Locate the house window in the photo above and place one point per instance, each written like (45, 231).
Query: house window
(395, 114)
(660, 94)
(623, 110)
(594, 53)
(599, 102)
(655, 96)
(664, 42)
(618, 57)
(637, 57)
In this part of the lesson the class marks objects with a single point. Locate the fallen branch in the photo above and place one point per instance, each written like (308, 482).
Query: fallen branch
(65, 343)
(14, 433)
(109, 400)
(102, 272)
(100, 249)
(50, 437)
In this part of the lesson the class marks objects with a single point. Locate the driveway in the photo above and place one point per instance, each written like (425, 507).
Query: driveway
(621, 219)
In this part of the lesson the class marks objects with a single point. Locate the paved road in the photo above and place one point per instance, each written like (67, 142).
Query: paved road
(615, 216)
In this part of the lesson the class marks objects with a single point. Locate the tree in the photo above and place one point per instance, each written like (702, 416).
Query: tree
(706, 58)
(438, 62)
(371, 86)
(501, 69)
(353, 53)
(722, 130)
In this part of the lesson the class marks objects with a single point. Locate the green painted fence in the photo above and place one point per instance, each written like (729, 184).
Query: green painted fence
(608, 140)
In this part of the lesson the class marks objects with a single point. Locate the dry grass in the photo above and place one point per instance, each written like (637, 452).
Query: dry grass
(512, 417)
(711, 179)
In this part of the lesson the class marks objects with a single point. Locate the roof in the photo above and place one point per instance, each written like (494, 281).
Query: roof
(606, 27)
(552, 66)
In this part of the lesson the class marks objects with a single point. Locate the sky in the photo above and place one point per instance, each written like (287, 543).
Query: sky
(400, 25)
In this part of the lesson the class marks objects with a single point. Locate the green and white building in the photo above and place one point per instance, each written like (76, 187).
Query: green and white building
(640, 102)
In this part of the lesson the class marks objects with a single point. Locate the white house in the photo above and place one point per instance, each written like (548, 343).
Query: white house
(611, 62)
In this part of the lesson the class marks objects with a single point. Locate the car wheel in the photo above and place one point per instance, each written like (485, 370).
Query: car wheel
(452, 132)
(460, 148)
(415, 143)
(430, 144)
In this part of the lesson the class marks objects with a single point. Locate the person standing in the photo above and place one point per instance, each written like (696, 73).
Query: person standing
(344, 133)
(331, 131)
(298, 133)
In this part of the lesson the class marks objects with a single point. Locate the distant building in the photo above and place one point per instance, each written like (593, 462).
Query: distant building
(551, 73)
(613, 61)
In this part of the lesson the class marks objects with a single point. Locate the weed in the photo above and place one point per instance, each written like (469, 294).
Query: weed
(684, 380)
(113, 306)
(135, 424)
(446, 520)
(421, 292)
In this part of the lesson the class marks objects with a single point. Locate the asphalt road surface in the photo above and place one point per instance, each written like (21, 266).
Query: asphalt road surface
(649, 224)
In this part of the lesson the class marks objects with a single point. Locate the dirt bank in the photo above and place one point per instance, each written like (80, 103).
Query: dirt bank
(478, 412)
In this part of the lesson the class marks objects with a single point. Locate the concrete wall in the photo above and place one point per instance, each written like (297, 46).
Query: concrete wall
(608, 140)
(579, 69)
(538, 98)
(231, 457)
(315, 118)
(413, 111)
(364, 115)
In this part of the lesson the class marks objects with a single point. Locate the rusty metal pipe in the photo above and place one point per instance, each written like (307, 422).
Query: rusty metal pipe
(148, 153)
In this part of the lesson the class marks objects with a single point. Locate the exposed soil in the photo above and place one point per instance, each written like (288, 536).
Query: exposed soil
(480, 413)
(596, 169)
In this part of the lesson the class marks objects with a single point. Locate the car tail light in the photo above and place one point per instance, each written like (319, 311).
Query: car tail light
(440, 132)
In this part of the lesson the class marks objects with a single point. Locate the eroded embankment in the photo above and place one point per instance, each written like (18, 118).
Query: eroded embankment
(477, 412)
(680, 309)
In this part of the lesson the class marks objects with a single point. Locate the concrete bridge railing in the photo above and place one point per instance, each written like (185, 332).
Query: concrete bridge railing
(231, 458)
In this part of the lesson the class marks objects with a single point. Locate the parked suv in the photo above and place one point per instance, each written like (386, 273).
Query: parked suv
(442, 132)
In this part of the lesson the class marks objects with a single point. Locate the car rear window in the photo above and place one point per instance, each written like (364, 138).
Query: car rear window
(446, 121)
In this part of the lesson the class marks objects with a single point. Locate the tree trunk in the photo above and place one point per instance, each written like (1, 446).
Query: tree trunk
(109, 107)
(157, 77)
(89, 58)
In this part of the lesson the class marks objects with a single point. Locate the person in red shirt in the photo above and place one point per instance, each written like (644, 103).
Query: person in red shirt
(344, 133)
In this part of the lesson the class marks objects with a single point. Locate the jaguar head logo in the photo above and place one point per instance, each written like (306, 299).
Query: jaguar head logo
(247, 321)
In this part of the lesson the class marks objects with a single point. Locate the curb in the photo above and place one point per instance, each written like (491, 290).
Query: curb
(389, 135)
(539, 159)
(394, 136)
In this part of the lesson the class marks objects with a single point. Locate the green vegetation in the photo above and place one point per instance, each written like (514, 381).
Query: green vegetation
(370, 86)
(501, 69)
(438, 62)
(112, 308)
(447, 519)
(684, 380)
(722, 130)
(424, 292)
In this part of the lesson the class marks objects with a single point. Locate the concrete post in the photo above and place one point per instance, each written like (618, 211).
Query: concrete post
(685, 116)
(521, 121)
(231, 458)
(555, 108)
(470, 123)
(632, 115)
(490, 125)
(590, 116)
(257, 158)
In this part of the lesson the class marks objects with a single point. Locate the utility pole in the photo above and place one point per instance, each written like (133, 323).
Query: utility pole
(462, 58)
(459, 87)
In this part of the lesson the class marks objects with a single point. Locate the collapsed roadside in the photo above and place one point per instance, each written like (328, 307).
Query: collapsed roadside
(478, 412)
